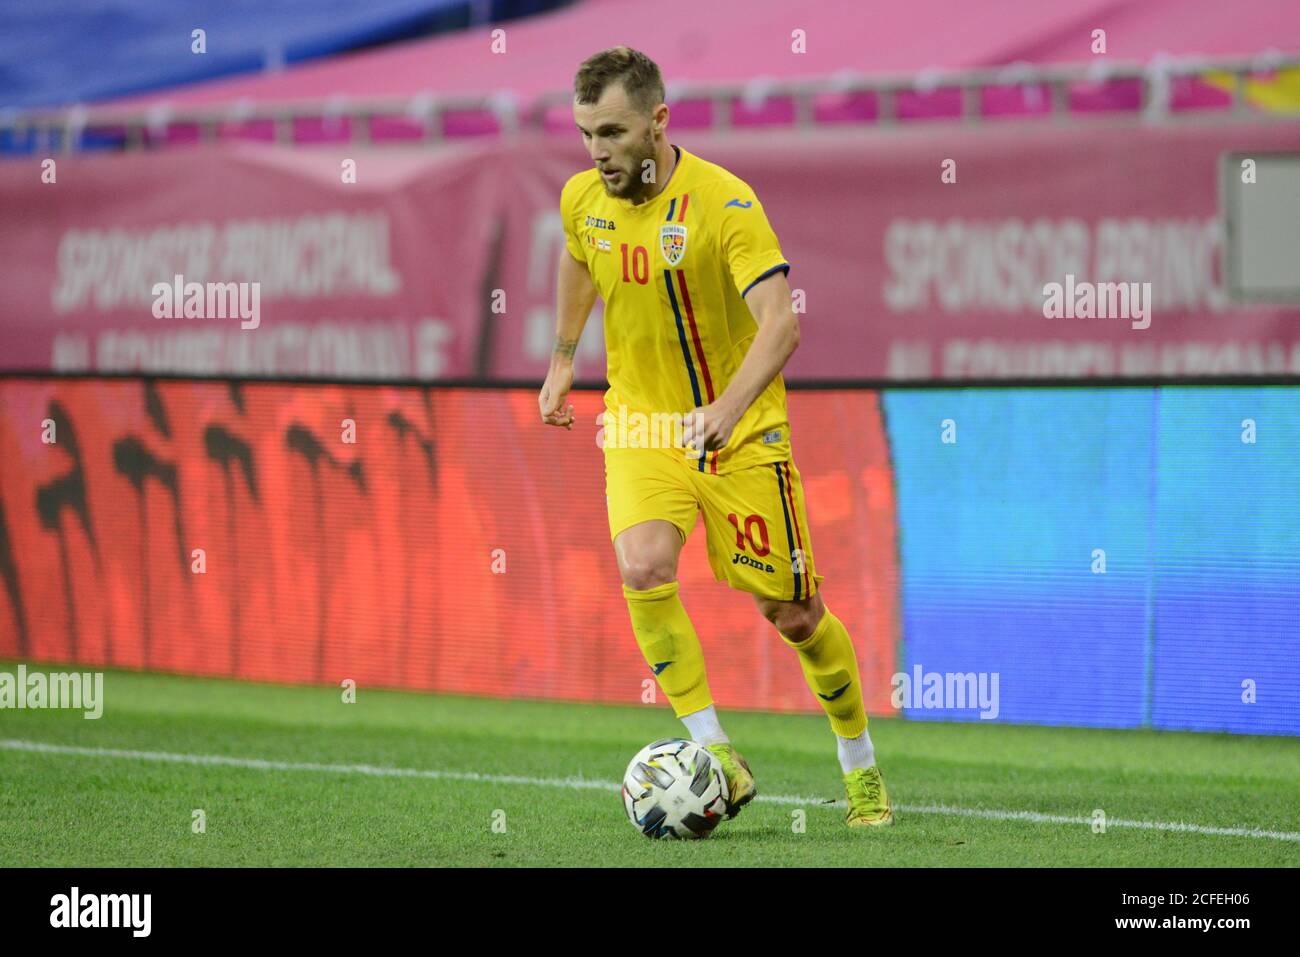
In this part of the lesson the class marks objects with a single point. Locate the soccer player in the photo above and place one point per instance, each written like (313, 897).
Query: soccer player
(698, 322)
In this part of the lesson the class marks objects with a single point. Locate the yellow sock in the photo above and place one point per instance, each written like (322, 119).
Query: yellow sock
(830, 666)
(670, 645)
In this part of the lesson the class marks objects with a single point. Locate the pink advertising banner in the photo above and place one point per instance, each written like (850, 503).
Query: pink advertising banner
(353, 264)
(938, 252)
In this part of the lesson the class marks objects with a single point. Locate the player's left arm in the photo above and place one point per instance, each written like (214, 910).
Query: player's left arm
(774, 343)
(751, 249)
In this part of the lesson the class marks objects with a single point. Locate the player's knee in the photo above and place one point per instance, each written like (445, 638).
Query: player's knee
(796, 620)
(645, 573)
(785, 616)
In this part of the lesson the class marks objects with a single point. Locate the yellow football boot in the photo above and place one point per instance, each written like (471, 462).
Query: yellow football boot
(740, 782)
(868, 799)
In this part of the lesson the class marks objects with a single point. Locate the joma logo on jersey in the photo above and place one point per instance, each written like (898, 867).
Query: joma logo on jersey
(599, 223)
(672, 242)
(739, 559)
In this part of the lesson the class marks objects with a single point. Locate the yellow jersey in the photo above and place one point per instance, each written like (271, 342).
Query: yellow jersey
(673, 273)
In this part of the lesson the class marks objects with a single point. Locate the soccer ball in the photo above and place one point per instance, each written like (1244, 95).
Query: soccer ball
(675, 788)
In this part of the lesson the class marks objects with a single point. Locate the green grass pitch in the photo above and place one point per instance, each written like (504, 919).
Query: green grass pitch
(301, 778)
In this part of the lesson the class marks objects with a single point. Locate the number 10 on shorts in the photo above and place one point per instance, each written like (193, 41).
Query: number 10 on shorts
(755, 536)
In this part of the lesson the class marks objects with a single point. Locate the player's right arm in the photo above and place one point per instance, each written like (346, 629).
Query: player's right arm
(575, 294)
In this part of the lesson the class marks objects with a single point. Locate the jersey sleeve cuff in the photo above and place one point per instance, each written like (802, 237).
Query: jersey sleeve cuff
(780, 267)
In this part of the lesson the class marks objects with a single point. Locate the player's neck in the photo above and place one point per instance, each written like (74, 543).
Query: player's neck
(666, 160)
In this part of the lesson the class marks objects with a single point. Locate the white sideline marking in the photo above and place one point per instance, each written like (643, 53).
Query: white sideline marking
(579, 783)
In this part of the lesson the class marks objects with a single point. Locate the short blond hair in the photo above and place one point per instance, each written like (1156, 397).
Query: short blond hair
(637, 72)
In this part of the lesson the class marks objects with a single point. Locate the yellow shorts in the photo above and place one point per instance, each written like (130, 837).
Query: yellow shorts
(754, 518)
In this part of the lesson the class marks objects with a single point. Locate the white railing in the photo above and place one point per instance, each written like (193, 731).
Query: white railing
(1047, 92)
